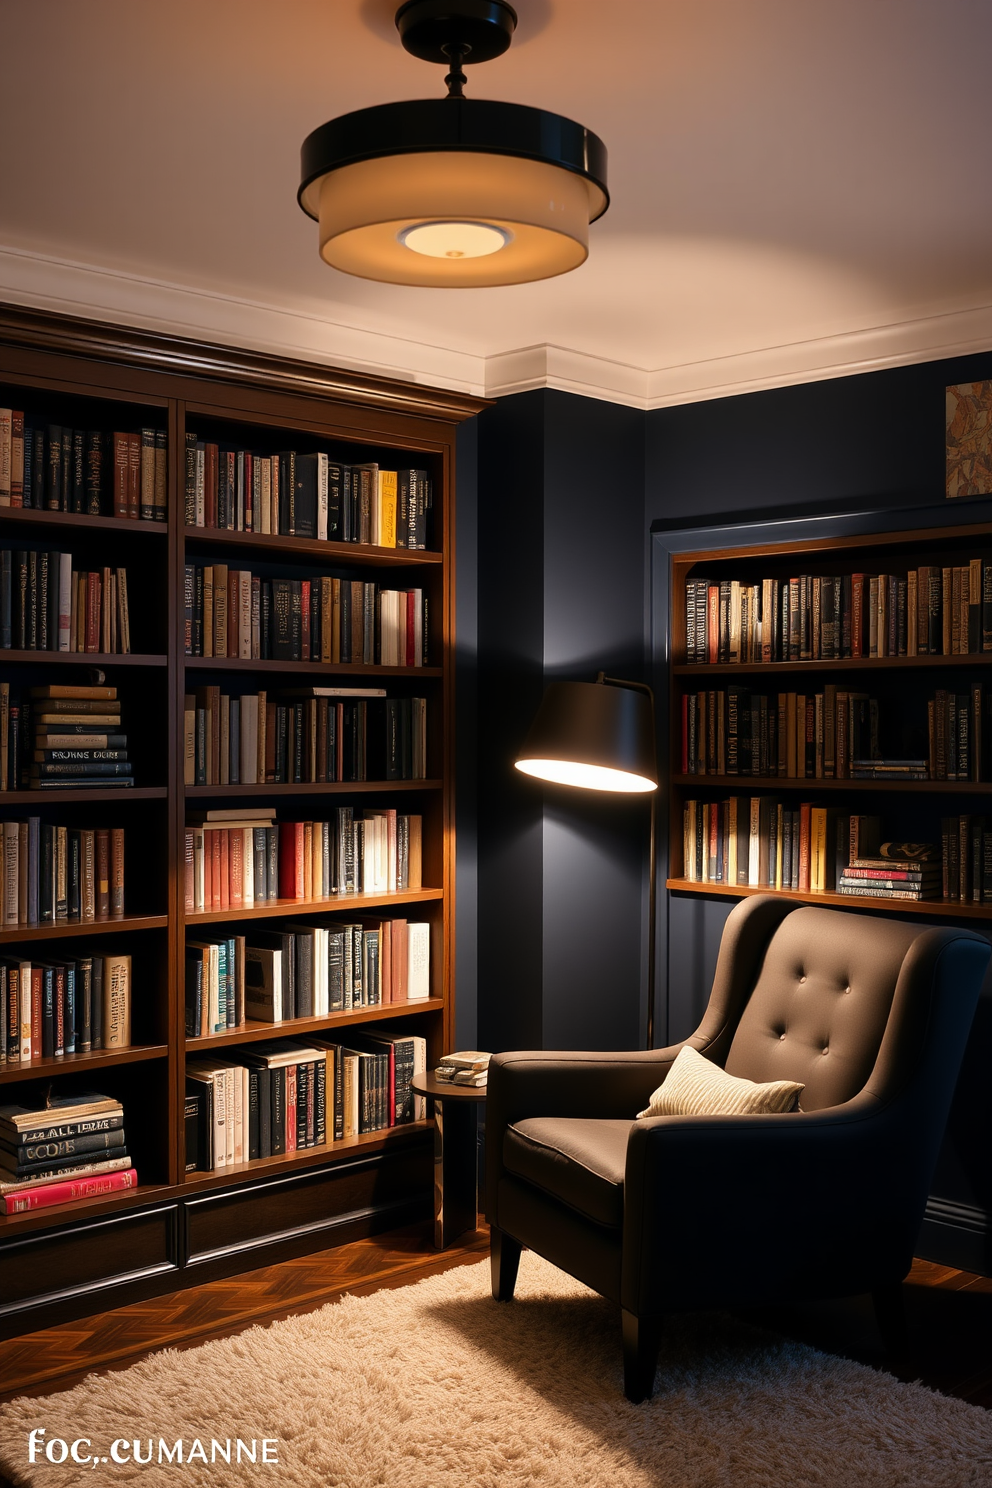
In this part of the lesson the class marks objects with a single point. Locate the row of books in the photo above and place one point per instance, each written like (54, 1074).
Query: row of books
(232, 612)
(933, 610)
(47, 605)
(73, 1147)
(966, 859)
(283, 1096)
(304, 495)
(317, 734)
(304, 971)
(53, 874)
(51, 467)
(237, 858)
(830, 735)
(63, 1005)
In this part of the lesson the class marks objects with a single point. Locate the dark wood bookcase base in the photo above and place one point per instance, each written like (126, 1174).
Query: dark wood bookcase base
(92, 1261)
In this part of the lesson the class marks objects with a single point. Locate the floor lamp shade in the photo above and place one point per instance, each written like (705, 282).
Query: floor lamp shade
(593, 735)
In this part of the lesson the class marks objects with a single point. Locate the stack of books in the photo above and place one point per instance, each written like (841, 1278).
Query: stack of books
(890, 769)
(466, 1067)
(71, 1148)
(78, 740)
(894, 874)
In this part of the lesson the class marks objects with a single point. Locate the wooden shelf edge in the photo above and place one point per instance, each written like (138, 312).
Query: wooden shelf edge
(14, 934)
(252, 1031)
(313, 787)
(343, 902)
(94, 1059)
(845, 664)
(57, 1214)
(316, 669)
(948, 908)
(811, 785)
(35, 797)
(310, 1157)
(85, 658)
(362, 553)
(32, 514)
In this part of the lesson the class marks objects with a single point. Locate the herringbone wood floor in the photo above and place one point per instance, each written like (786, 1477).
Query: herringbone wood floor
(950, 1317)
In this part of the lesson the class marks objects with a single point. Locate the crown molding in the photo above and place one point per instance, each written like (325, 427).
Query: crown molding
(89, 292)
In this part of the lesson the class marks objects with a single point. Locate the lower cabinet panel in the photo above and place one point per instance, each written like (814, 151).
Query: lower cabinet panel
(50, 1277)
(46, 1267)
(305, 1206)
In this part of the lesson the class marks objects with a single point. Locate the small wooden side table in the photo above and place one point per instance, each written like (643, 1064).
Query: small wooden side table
(456, 1158)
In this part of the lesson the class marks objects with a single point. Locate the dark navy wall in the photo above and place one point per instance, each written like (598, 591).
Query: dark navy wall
(560, 595)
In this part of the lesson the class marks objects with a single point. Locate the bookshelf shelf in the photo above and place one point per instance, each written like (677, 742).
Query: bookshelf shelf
(336, 553)
(112, 379)
(82, 658)
(944, 908)
(252, 1031)
(36, 1069)
(83, 793)
(14, 934)
(847, 664)
(313, 788)
(364, 1143)
(343, 902)
(743, 784)
(889, 590)
(30, 517)
(315, 669)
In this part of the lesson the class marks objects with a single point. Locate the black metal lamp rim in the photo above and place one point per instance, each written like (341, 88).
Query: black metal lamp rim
(479, 125)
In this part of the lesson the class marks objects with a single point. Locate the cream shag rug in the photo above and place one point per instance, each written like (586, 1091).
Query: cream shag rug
(435, 1385)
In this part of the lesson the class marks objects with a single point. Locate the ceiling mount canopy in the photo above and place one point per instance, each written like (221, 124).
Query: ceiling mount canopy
(454, 192)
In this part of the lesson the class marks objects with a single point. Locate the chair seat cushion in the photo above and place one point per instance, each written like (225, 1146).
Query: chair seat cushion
(579, 1161)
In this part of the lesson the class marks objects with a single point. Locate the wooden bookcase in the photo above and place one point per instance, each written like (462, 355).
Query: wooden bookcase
(909, 809)
(179, 1228)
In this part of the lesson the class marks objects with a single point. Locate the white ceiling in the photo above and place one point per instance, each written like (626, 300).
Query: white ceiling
(800, 189)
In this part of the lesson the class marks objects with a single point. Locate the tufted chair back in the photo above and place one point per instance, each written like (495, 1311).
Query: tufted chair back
(821, 1003)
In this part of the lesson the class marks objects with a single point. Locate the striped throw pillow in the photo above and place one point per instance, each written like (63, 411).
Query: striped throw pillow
(697, 1087)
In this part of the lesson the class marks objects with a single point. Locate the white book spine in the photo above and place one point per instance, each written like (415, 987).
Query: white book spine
(418, 961)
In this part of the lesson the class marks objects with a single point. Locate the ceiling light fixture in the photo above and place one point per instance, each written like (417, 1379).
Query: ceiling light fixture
(454, 192)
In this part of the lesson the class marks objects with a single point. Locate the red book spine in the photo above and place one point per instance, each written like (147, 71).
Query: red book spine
(92, 612)
(291, 860)
(17, 458)
(215, 862)
(36, 1012)
(189, 904)
(857, 614)
(122, 459)
(291, 1134)
(102, 873)
(134, 475)
(210, 485)
(48, 1194)
(235, 866)
(304, 620)
(233, 609)
(713, 623)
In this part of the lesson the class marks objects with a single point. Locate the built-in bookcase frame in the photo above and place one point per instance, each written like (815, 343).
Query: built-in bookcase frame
(152, 1238)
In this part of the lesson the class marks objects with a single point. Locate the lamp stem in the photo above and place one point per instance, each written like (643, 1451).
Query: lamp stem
(456, 79)
(652, 864)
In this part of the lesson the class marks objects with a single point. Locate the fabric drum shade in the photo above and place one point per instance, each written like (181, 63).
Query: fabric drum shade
(594, 735)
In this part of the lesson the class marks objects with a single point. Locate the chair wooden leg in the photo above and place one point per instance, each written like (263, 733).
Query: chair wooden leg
(641, 1341)
(890, 1315)
(504, 1258)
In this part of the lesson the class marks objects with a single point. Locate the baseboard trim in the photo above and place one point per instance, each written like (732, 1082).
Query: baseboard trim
(958, 1235)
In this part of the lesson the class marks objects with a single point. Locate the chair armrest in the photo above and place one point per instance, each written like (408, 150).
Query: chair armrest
(733, 1210)
(540, 1082)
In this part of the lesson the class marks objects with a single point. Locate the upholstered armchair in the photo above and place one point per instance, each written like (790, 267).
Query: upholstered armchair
(671, 1213)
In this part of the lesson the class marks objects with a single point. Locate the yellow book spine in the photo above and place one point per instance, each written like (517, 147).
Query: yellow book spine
(387, 508)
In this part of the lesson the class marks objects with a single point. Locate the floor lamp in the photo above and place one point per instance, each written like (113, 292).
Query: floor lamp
(600, 736)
